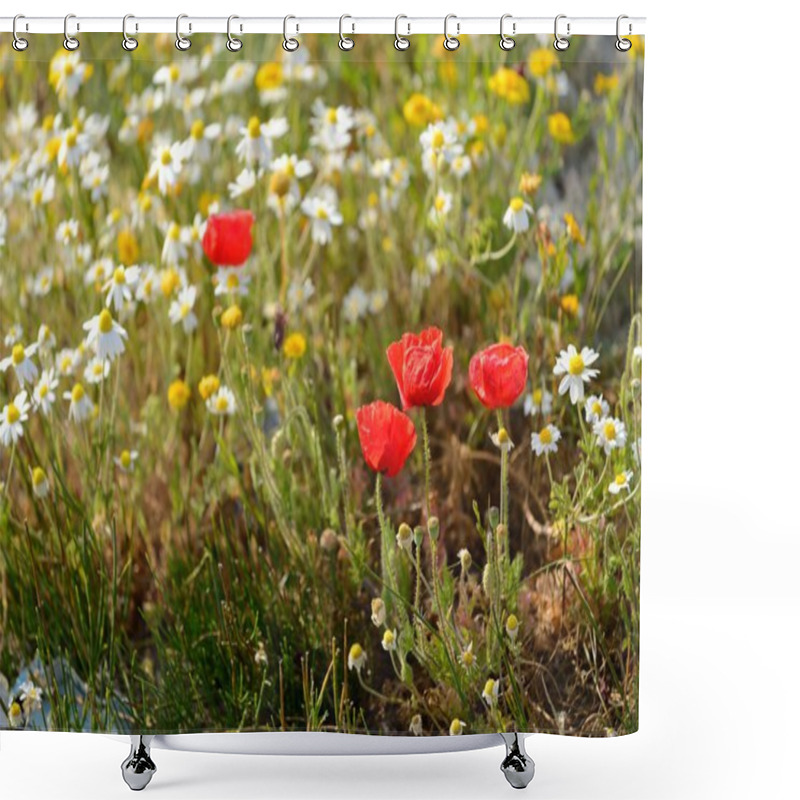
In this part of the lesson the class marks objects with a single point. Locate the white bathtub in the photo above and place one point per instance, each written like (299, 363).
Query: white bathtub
(139, 767)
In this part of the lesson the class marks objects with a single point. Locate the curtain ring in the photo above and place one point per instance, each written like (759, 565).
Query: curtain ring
(400, 42)
(623, 45)
(560, 43)
(506, 42)
(70, 42)
(451, 42)
(18, 43)
(233, 44)
(128, 42)
(289, 45)
(345, 42)
(181, 42)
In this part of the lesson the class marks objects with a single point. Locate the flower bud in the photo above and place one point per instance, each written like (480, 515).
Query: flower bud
(433, 528)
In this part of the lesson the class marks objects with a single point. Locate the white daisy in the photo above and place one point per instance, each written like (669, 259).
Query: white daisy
(99, 272)
(574, 366)
(197, 148)
(610, 433)
(517, 216)
(174, 250)
(96, 371)
(355, 304)
(222, 402)
(323, 214)
(546, 441)
(66, 362)
(126, 460)
(491, 691)
(105, 335)
(255, 146)
(621, 482)
(41, 486)
(166, 166)
(502, 441)
(12, 416)
(245, 181)
(231, 282)
(389, 640)
(442, 204)
(120, 287)
(539, 401)
(457, 727)
(13, 335)
(43, 394)
(20, 359)
(80, 406)
(596, 408)
(181, 309)
(299, 294)
(356, 658)
(378, 612)
(46, 339)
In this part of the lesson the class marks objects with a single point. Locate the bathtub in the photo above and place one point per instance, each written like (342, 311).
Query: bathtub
(139, 767)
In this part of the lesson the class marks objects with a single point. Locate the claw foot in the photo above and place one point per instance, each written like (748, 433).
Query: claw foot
(138, 768)
(517, 766)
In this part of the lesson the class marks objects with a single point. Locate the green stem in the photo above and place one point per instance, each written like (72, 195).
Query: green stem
(426, 455)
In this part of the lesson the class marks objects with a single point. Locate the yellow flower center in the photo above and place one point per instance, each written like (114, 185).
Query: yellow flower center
(489, 687)
(576, 365)
(185, 309)
(97, 368)
(388, 638)
(18, 354)
(516, 204)
(468, 657)
(331, 116)
(254, 128)
(356, 651)
(166, 157)
(106, 322)
(69, 68)
(66, 364)
(502, 436)
(512, 623)
(597, 409)
(232, 281)
(38, 195)
(322, 213)
(536, 396)
(439, 203)
(174, 73)
(77, 393)
(71, 138)
(621, 479)
(222, 403)
(545, 437)
(174, 232)
(125, 459)
(610, 431)
(43, 390)
(198, 129)
(12, 414)
(437, 140)
(38, 477)
(119, 275)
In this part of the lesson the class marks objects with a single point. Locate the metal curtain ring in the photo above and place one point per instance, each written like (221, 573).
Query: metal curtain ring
(623, 45)
(450, 42)
(289, 45)
(181, 42)
(233, 44)
(345, 42)
(18, 43)
(400, 42)
(560, 43)
(506, 42)
(70, 42)
(128, 42)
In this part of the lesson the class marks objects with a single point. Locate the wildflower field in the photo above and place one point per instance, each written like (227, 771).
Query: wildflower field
(320, 386)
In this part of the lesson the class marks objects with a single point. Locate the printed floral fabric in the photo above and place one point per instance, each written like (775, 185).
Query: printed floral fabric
(320, 386)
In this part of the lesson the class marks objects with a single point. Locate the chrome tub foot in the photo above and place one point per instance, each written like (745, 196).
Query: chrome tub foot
(138, 768)
(517, 766)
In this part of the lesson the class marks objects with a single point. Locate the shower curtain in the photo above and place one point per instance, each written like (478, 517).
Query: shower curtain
(320, 378)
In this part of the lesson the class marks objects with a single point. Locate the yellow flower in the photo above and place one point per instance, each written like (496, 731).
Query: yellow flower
(205, 202)
(170, 280)
(481, 123)
(418, 110)
(560, 128)
(295, 345)
(269, 76)
(207, 386)
(529, 183)
(231, 318)
(510, 85)
(127, 247)
(573, 229)
(541, 61)
(570, 305)
(603, 84)
(178, 394)
(269, 377)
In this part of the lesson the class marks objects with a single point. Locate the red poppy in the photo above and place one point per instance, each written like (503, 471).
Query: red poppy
(421, 367)
(228, 241)
(387, 436)
(498, 374)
